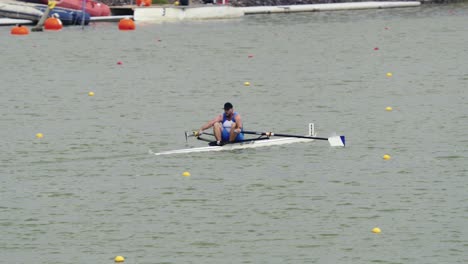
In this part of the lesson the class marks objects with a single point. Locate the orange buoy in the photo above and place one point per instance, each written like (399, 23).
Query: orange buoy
(20, 30)
(53, 23)
(126, 24)
(143, 2)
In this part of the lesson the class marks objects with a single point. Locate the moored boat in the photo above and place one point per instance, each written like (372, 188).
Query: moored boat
(13, 21)
(67, 16)
(33, 13)
(15, 11)
(92, 7)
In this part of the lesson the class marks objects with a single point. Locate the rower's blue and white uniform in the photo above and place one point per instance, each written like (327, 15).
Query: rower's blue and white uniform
(227, 124)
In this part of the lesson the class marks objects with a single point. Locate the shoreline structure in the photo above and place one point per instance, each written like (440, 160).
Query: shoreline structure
(245, 3)
(168, 13)
(163, 13)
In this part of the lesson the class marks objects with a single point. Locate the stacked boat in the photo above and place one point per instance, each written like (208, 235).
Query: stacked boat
(19, 11)
(92, 7)
(32, 12)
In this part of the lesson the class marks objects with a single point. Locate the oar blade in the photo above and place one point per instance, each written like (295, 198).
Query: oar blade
(337, 141)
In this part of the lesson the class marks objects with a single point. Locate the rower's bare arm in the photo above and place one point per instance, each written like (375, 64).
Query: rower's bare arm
(211, 123)
(238, 123)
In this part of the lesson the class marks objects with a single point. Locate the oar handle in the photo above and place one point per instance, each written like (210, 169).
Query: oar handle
(271, 134)
(195, 134)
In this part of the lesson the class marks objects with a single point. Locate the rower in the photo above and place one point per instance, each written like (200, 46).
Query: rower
(227, 127)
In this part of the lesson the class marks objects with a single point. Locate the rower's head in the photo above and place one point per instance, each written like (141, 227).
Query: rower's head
(228, 109)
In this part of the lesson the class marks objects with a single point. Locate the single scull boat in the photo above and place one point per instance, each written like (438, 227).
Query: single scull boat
(263, 141)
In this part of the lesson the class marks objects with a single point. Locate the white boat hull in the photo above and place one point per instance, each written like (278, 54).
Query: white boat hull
(228, 147)
(18, 11)
(335, 141)
(13, 21)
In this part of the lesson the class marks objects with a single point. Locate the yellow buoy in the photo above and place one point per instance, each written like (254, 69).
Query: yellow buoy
(389, 74)
(176, 3)
(39, 135)
(247, 84)
(91, 93)
(376, 230)
(119, 259)
(386, 157)
(186, 174)
(388, 108)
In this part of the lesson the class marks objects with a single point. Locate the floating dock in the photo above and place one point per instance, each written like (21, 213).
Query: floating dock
(165, 13)
(108, 18)
(158, 13)
(168, 13)
(325, 7)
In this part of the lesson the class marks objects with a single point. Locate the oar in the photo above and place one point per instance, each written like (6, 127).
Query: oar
(194, 134)
(190, 134)
(335, 141)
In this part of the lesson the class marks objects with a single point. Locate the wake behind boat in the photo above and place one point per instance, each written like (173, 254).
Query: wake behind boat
(264, 139)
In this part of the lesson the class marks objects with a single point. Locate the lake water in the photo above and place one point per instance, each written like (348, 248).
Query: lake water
(89, 190)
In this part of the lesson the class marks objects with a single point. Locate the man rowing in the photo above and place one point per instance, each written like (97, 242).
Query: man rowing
(227, 127)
